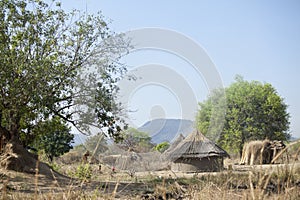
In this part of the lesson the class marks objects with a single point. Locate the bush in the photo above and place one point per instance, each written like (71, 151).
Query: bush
(83, 172)
(54, 166)
(162, 147)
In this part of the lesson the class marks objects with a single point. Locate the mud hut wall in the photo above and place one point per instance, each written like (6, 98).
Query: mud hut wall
(138, 162)
(206, 164)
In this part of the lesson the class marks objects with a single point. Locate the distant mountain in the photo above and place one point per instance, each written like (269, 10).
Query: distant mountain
(293, 138)
(162, 130)
(79, 139)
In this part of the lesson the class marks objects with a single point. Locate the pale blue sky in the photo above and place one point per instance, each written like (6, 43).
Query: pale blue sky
(259, 40)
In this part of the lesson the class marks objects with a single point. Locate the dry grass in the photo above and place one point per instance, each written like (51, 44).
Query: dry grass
(236, 182)
(278, 183)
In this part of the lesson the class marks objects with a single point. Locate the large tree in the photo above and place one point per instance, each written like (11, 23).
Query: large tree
(54, 63)
(254, 111)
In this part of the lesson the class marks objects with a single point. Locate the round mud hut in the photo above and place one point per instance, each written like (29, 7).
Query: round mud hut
(196, 153)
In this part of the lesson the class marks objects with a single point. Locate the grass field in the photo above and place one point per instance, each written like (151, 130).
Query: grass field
(75, 180)
(240, 182)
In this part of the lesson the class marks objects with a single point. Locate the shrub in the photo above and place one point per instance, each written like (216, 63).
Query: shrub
(83, 172)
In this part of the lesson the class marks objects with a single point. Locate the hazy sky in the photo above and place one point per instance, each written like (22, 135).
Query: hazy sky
(259, 40)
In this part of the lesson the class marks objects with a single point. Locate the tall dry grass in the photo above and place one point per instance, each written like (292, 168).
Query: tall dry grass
(260, 182)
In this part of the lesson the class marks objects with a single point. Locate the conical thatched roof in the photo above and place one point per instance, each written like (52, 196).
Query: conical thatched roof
(196, 145)
(179, 139)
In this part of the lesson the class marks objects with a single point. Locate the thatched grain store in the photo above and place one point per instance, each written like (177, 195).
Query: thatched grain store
(196, 153)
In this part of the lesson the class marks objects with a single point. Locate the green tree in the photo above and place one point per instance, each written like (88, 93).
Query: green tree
(254, 111)
(53, 137)
(136, 140)
(161, 147)
(54, 63)
(96, 144)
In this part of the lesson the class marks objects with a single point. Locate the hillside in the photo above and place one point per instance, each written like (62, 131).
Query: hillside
(159, 129)
(166, 129)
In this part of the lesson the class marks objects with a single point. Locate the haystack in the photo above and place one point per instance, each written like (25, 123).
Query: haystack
(196, 153)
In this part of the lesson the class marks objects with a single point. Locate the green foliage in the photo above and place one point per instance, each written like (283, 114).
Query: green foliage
(211, 116)
(55, 166)
(96, 144)
(83, 172)
(54, 63)
(162, 147)
(53, 137)
(254, 111)
(137, 140)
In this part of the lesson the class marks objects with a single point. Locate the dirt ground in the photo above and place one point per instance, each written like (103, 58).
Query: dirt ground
(29, 184)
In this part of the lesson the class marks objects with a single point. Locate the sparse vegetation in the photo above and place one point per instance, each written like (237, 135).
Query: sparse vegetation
(83, 172)
(238, 185)
(89, 182)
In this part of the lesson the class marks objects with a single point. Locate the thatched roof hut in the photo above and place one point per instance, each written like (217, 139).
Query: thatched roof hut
(174, 144)
(197, 153)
